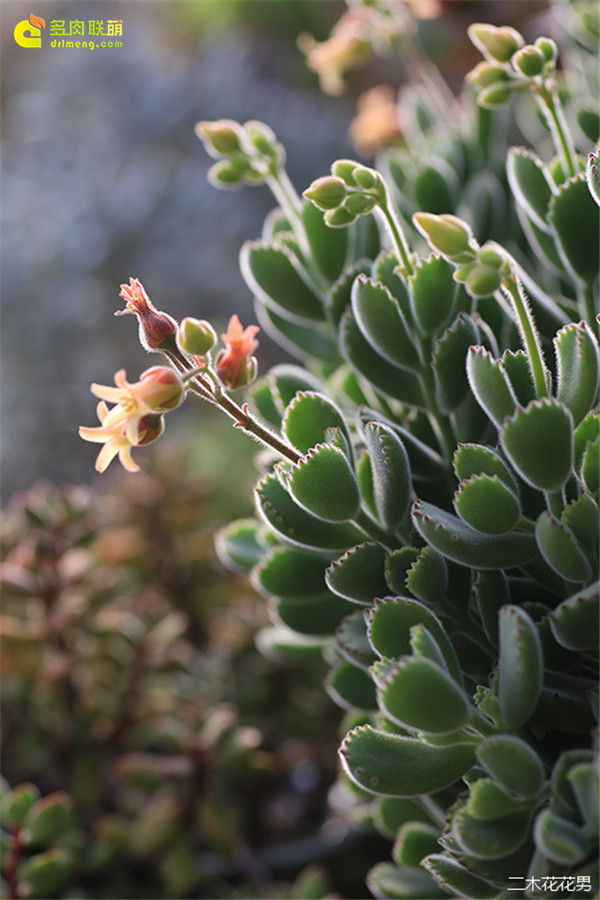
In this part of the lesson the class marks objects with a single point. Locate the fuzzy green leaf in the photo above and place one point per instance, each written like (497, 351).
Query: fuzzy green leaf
(388, 627)
(560, 548)
(286, 381)
(325, 485)
(490, 385)
(560, 840)
(423, 643)
(574, 216)
(359, 575)
(575, 622)
(281, 645)
(581, 516)
(16, 803)
(584, 782)
(382, 323)
(512, 763)
(390, 813)
(383, 375)
(425, 463)
(240, 545)
(586, 432)
(414, 841)
(352, 642)
(432, 293)
(459, 542)
(578, 367)
(397, 564)
(520, 667)
(516, 366)
(351, 687)
(308, 417)
(590, 466)
(532, 187)
(385, 271)
(272, 272)
(392, 764)
(313, 340)
(401, 883)
(487, 504)
(328, 246)
(487, 800)
(262, 400)
(490, 838)
(419, 695)
(339, 295)
(427, 577)
(460, 882)
(474, 459)
(295, 525)
(492, 593)
(286, 572)
(448, 362)
(318, 614)
(391, 474)
(527, 436)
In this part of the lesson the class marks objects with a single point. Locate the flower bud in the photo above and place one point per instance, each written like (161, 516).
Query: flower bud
(228, 173)
(344, 169)
(496, 95)
(262, 138)
(529, 61)
(150, 428)
(548, 48)
(366, 178)
(489, 256)
(446, 233)
(156, 329)
(359, 204)
(485, 74)
(327, 192)
(496, 44)
(160, 388)
(196, 336)
(220, 138)
(338, 218)
(483, 281)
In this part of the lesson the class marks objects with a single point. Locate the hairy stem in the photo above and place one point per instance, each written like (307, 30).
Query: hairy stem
(553, 113)
(529, 334)
(397, 236)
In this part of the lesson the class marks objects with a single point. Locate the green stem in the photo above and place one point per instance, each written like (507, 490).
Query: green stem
(397, 236)
(372, 529)
(442, 424)
(587, 308)
(555, 502)
(529, 334)
(552, 109)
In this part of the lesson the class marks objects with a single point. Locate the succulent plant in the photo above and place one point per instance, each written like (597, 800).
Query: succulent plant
(437, 538)
(427, 516)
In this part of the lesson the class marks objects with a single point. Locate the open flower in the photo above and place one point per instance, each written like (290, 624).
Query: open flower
(235, 365)
(116, 442)
(156, 329)
(158, 390)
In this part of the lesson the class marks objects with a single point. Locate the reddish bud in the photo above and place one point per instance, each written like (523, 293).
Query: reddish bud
(156, 329)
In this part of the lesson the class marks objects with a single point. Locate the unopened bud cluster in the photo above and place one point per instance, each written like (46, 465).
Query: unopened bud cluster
(480, 269)
(245, 154)
(510, 65)
(349, 192)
